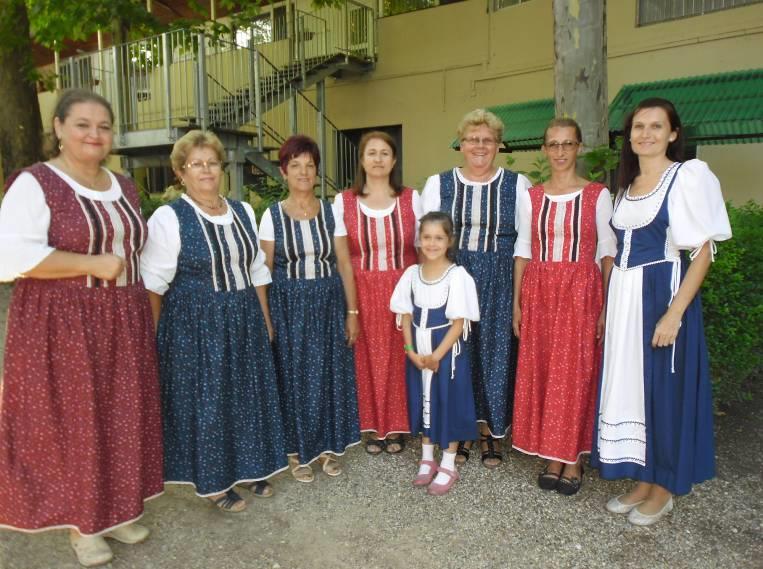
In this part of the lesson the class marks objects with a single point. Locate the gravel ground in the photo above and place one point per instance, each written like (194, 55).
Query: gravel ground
(372, 518)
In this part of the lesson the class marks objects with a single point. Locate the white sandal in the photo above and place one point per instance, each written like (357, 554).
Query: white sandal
(129, 534)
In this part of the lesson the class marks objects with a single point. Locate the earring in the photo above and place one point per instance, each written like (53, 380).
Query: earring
(60, 146)
(182, 182)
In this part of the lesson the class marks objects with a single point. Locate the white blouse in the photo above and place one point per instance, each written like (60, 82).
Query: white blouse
(338, 207)
(267, 233)
(607, 241)
(430, 195)
(457, 289)
(158, 263)
(696, 208)
(25, 220)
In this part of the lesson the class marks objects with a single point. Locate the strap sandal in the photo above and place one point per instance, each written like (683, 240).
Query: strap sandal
(229, 502)
(570, 486)
(375, 446)
(491, 458)
(394, 445)
(463, 451)
(435, 489)
(303, 473)
(260, 489)
(548, 480)
(426, 479)
(330, 465)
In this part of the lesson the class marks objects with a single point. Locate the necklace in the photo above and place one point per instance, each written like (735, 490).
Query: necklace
(212, 207)
(299, 210)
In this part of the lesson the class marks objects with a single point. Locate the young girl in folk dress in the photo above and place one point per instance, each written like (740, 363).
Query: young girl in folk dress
(563, 233)
(439, 299)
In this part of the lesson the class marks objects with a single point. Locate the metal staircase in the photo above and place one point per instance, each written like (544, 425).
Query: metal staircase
(252, 94)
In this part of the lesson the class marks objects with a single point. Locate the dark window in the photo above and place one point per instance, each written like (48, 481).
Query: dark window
(655, 11)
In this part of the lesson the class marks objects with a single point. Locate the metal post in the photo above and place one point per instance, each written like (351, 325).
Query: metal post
(116, 96)
(320, 91)
(166, 58)
(73, 75)
(301, 48)
(258, 100)
(57, 68)
(293, 113)
(235, 173)
(202, 106)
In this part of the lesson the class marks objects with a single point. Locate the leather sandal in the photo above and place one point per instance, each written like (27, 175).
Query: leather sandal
(463, 451)
(490, 453)
(260, 489)
(375, 447)
(229, 502)
(398, 440)
(330, 465)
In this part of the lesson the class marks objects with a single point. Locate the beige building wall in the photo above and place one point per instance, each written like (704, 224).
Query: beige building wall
(435, 65)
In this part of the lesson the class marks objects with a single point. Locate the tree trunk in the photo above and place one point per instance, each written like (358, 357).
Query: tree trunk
(20, 123)
(580, 66)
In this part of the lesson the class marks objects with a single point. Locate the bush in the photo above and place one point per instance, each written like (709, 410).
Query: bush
(732, 297)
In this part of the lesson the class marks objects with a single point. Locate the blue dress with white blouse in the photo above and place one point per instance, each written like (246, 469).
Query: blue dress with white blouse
(220, 404)
(441, 403)
(484, 216)
(315, 367)
(655, 413)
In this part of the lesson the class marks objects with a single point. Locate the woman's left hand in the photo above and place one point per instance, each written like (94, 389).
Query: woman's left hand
(666, 331)
(600, 327)
(351, 329)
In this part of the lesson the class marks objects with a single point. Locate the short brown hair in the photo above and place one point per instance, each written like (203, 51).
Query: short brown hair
(66, 101)
(562, 122)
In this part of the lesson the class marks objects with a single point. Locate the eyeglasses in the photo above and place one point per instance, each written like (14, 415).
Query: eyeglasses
(198, 165)
(477, 141)
(567, 145)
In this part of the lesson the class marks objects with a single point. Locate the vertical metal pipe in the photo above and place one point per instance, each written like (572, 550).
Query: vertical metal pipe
(301, 46)
(166, 62)
(258, 100)
(320, 90)
(293, 113)
(57, 68)
(202, 106)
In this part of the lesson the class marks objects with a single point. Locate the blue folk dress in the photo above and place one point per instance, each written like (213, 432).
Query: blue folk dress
(484, 215)
(221, 411)
(655, 413)
(441, 403)
(316, 369)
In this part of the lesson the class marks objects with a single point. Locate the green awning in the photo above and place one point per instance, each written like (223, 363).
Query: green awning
(724, 108)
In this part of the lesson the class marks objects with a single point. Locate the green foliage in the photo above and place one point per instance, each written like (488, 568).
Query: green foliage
(601, 160)
(541, 169)
(732, 297)
(262, 195)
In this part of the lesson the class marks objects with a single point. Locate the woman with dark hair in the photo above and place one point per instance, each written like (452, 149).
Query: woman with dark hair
(380, 217)
(655, 413)
(563, 237)
(80, 422)
(207, 281)
(481, 198)
(315, 316)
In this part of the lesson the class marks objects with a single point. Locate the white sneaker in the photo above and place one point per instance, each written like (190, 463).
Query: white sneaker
(91, 550)
(639, 519)
(129, 534)
(618, 507)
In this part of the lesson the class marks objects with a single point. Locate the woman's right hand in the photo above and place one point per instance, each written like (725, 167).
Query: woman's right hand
(516, 320)
(106, 266)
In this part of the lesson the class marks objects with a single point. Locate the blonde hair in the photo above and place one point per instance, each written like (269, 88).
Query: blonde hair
(194, 139)
(478, 117)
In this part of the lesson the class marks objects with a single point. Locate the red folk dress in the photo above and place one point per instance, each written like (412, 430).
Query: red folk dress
(80, 419)
(381, 247)
(559, 356)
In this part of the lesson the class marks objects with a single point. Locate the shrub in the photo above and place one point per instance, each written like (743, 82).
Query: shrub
(732, 297)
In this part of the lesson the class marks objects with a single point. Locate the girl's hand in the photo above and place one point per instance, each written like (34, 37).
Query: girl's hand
(416, 359)
(271, 332)
(516, 320)
(351, 329)
(432, 362)
(600, 327)
(106, 266)
(666, 331)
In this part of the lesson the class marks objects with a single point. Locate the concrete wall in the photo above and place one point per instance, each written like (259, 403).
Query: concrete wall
(435, 65)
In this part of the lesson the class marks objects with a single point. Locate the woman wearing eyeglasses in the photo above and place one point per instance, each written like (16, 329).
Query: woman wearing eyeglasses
(206, 277)
(564, 235)
(481, 198)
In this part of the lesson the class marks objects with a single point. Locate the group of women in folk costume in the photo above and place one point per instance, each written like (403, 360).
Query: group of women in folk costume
(203, 350)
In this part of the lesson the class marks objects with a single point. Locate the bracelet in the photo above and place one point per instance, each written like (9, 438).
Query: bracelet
(407, 347)
(355, 312)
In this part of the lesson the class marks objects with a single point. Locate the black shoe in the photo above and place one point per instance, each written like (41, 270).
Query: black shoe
(570, 486)
(548, 480)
